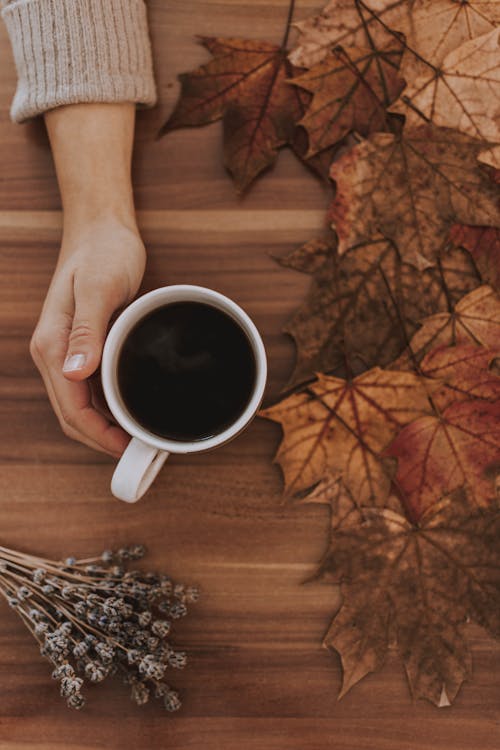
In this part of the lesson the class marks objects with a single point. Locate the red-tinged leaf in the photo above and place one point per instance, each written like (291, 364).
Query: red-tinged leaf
(352, 89)
(417, 586)
(339, 428)
(439, 453)
(483, 243)
(364, 306)
(245, 84)
(411, 189)
(465, 371)
(476, 318)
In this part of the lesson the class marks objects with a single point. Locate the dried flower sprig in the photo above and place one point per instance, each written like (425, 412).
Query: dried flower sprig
(93, 618)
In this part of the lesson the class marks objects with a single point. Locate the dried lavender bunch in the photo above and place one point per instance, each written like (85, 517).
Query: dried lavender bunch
(93, 618)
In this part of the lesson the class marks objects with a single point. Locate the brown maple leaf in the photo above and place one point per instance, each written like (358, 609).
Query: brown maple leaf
(467, 371)
(352, 89)
(245, 84)
(415, 586)
(432, 27)
(364, 306)
(339, 428)
(483, 243)
(464, 95)
(411, 189)
(475, 318)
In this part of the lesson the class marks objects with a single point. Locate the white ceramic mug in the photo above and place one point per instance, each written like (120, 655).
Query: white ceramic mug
(147, 452)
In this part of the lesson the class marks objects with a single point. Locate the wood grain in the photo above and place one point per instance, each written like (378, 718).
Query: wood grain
(258, 678)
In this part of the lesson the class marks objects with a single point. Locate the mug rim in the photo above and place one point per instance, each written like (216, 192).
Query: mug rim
(122, 326)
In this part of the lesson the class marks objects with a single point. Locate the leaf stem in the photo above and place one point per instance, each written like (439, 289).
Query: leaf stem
(291, 8)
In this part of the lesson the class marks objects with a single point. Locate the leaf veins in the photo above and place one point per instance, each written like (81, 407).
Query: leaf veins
(364, 306)
(352, 89)
(411, 189)
(483, 243)
(245, 84)
(418, 586)
(463, 94)
(339, 428)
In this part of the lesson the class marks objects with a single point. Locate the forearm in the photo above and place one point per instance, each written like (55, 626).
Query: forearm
(92, 149)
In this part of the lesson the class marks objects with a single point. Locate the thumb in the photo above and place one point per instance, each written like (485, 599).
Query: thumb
(88, 332)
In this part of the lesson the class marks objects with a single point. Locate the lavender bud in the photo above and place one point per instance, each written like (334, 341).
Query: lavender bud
(95, 671)
(76, 701)
(178, 610)
(133, 656)
(172, 701)
(192, 594)
(23, 592)
(63, 670)
(177, 659)
(80, 649)
(161, 628)
(38, 575)
(144, 618)
(105, 652)
(139, 693)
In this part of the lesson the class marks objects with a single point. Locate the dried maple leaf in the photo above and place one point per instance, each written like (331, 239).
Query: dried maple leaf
(467, 371)
(352, 89)
(464, 95)
(246, 84)
(416, 586)
(411, 189)
(483, 243)
(339, 428)
(432, 27)
(364, 306)
(476, 318)
(438, 453)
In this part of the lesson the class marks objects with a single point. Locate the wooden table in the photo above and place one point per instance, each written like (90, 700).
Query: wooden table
(258, 678)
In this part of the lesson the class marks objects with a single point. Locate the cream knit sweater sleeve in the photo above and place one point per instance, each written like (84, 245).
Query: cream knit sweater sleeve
(70, 51)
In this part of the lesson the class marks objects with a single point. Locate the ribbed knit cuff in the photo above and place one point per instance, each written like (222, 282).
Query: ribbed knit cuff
(70, 51)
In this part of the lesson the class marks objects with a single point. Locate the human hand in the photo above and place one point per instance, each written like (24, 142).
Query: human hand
(99, 270)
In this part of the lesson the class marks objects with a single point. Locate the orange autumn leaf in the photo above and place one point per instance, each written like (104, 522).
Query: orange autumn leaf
(483, 243)
(245, 84)
(415, 587)
(476, 318)
(351, 90)
(467, 372)
(411, 189)
(339, 428)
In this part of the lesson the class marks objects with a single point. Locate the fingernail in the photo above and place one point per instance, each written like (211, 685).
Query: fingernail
(74, 362)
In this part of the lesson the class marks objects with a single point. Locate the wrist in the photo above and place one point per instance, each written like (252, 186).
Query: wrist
(90, 214)
(104, 234)
(92, 149)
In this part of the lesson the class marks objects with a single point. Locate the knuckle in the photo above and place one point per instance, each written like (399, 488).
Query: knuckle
(40, 343)
(68, 423)
(81, 331)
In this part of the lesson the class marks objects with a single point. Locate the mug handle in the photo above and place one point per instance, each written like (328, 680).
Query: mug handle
(136, 470)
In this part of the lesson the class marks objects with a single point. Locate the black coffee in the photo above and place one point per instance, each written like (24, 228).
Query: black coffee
(186, 371)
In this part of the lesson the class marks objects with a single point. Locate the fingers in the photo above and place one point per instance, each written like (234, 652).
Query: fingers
(93, 307)
(71, 401)
(78, 419)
